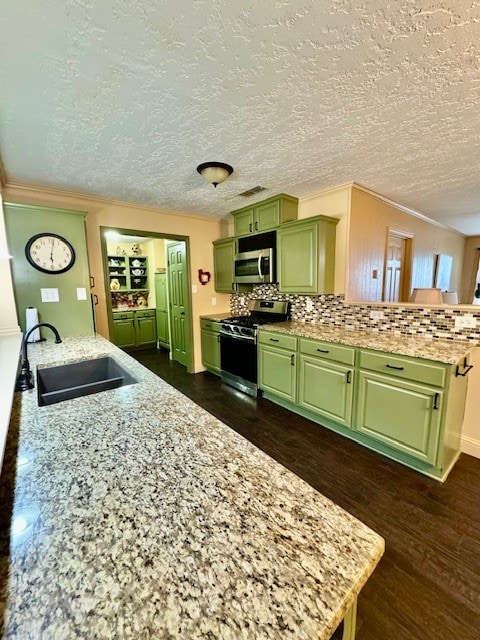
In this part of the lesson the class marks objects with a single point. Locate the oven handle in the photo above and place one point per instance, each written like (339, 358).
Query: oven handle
(237, 337)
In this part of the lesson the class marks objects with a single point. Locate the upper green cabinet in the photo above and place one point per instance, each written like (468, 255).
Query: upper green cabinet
(223, 255)
(306, 256)
(265, 215)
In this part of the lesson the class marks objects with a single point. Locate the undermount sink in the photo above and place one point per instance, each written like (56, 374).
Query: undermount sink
(55, 384)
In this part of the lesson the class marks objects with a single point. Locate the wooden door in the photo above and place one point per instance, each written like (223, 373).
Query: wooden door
(179, 302)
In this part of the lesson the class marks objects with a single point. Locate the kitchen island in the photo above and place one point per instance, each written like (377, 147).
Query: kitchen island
(136, 514)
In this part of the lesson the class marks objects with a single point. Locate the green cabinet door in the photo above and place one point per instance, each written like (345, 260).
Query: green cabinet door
(266, 216)
(306, 256)
(404, 415)
(210, 350)
(243, 222)
(223, 255)
(146, 330)
(124, 331)
(278, 372)
(326, 388)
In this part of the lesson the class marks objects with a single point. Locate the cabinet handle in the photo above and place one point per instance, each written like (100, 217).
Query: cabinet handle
(208, 325)
(250, 227)
(292, 359)
(274, 340)
(324, 350)
(256, 225)
(390, 366)
(349, 377)
(436, 398)
(92, 282)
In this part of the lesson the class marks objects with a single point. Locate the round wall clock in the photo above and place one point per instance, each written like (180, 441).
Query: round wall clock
(50, 253)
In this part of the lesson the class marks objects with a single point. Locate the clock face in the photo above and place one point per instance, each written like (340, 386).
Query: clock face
(50, 253)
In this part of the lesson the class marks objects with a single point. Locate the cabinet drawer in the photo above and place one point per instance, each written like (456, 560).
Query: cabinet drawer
(328, 351)
(122, 315)
(145, 314)
(278, 340)
(407, 368)
(210, 325)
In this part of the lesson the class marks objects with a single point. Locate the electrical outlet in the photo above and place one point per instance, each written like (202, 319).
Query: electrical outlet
(466, 321)
(376, 315)
(308, 305)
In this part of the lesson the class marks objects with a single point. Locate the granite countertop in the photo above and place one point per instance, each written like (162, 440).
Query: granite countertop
(146, 517)
(445, 351)
(217, 317)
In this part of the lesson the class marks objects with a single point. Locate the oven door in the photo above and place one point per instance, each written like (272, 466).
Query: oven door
(238, 362)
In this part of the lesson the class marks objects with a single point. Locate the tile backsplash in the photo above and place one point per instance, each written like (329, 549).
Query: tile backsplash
(333, 310)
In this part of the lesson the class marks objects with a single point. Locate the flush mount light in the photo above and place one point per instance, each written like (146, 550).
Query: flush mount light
(214, 172)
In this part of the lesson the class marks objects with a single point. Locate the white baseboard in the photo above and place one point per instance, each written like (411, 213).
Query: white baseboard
(470, 446)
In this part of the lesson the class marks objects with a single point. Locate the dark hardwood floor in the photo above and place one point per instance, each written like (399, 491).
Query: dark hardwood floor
(427, 585)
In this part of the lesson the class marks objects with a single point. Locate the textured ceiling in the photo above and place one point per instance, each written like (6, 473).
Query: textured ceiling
(124, 99)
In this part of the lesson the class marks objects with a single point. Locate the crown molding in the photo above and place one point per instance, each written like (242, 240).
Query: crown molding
(404, 208)
(83, 202)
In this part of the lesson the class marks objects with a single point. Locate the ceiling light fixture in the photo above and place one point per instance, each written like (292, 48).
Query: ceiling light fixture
(214, 172)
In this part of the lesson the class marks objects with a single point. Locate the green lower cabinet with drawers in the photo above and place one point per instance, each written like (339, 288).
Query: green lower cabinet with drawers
(134, 329)
(409, 409)
(210, 340)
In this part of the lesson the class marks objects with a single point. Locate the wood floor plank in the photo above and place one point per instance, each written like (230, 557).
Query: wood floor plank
(427, 585)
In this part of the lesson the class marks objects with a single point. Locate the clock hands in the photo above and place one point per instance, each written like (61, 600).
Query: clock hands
(51, 252)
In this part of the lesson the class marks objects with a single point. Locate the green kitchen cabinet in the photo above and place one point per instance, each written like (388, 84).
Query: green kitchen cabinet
(124, 329)
(133, 329)
(403, 415)
(223, 255)
(407, 408)
(210, 341)
(146, 329)
(326, 377)
(306, 256)
(161, 299)
(277, 365)
(265, 215)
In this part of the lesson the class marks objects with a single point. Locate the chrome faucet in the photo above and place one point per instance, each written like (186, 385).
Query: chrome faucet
(25, 377)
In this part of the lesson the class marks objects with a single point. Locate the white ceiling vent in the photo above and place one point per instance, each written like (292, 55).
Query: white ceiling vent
(252, 191)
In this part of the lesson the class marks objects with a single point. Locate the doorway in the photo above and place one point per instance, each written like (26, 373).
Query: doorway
(398, 260)
(155, 294)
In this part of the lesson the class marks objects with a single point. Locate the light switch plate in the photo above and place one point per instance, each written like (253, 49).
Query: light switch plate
(214, 302)
(49, 295)
(81, 293)
(194, 288)
(308, 305)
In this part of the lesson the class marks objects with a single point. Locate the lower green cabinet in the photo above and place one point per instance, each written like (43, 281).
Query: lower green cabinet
(409, 409)
(210, 340)
(124, 329)
(326, 388)
(134, 328)
(401, 414)
(277, 365)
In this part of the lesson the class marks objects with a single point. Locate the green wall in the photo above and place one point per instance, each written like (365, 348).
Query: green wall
(70, 316)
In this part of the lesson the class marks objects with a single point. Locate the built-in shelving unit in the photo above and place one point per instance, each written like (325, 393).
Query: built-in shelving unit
(128, 273)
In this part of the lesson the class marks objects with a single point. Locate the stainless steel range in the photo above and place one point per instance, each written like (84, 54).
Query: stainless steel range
(238, 343)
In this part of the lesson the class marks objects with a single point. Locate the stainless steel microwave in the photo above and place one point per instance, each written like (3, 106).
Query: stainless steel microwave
(255, 266)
